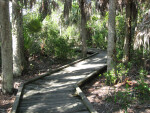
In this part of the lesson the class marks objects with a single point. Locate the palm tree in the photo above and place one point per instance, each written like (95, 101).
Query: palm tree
(19, 62)
(17, 38)
(6, 48)
(127, 40)
(111, 35)
(84, 8)
(44, 9)
(83, 32)
(67, 8)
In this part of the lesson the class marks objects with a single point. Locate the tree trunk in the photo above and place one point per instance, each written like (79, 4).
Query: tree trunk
(83, 28)
(6, 48)
(67, 8)
(127, 40)
(17, 33)
(44, 9)
(111, 35)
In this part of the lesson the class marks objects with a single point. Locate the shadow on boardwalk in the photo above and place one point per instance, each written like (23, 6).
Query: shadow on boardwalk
(55, 93)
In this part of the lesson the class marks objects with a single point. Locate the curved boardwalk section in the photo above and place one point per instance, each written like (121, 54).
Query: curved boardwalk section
(55, 93)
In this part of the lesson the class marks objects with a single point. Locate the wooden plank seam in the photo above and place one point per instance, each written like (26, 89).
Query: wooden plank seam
(20, 90)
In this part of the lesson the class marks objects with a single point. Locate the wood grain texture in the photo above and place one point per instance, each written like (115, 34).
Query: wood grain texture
(55, 93)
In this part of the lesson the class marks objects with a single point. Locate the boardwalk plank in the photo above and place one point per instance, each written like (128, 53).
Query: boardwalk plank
(51, 100)
(50, 88)
(82, 112)
(49, 92)
(54, 93)
(64, 107)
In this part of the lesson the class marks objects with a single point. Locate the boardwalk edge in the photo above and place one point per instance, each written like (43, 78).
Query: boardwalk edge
(85, 100)
(82, 95)
(17, 99)
(19, 93)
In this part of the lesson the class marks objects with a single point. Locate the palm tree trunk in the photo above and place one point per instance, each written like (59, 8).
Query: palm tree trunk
(127, 41)
(83, 28)
(17, 33)
(111, 35)
(6, 48)
(44, 10)
(67, 8)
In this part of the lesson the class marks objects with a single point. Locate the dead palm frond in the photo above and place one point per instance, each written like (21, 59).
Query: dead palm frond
(142, 36)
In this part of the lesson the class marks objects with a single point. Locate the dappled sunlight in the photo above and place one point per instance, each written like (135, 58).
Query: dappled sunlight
(73, 78)
(86, 65)
(62, 107)
(56, 92)
(31, 92)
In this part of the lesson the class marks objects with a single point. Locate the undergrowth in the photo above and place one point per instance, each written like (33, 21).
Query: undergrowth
(132, 93)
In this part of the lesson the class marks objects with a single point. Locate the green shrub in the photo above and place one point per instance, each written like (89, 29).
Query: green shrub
(120, 31)
(142, 73)
(34, 26)
(99, 31)
(143, 90)
(63, 49)
(123, 99)
(75, 15)
(59, 47)
(55, 45)
(112, 77)
(44, 38)
(30, 44)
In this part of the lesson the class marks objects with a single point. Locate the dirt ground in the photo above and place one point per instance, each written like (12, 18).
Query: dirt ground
(102, 97)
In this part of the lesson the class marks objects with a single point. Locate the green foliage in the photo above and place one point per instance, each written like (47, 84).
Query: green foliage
(73, 34)
(44, 38)
(113, 77)
(47, 40)
(120, 34)
(75, 14)
(120, 30)
(34, 26)
(63, 48)
(55, 44)
(99, 31)
(142, 11)
(123, 99)
(143, 90)
(30, 44)
(122, 71)
(142, 73)
(119, 54)
(59, 47)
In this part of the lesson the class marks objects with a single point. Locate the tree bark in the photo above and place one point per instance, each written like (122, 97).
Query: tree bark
(6, 48)
(67, 8)
(83, 28)
(17, 36)
(111, 35)
(44, 9)
(127, 40)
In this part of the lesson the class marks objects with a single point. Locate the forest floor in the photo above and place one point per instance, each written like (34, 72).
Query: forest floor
(118, 98)
(36, 65)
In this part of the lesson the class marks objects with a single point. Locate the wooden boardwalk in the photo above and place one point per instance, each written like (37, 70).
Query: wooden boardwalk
(55, 93)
